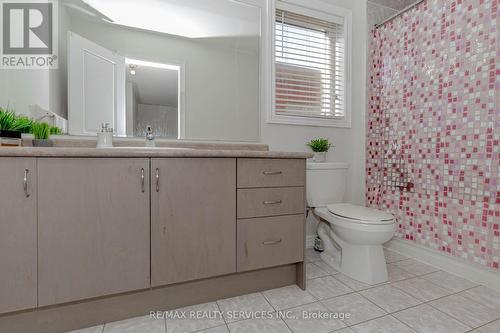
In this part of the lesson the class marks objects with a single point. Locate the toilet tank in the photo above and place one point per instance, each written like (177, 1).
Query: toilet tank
(326, 183)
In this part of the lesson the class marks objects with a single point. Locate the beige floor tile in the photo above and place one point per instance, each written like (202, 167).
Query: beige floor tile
(393, 256)
(243, 307)
(345, 330)
(421, 289)
(288, 297)
(324, 266)
(385, 324)
(484, 295)
(493, 327)
(397, 274)
(218, 329)
(415, 267)
(94, 329)
(314, 271)
(449, 281)
(304, 320)
(352, 283)
(259, 326)
(327, 287)
(134, 325)
(426, 319)
(359, 308)
(198, 317)
(467, 311)
(389, 298)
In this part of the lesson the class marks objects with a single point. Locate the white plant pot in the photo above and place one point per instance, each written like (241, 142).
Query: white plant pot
(319, 156)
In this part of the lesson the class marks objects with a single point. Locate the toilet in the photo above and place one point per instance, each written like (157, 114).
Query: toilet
(352, 235)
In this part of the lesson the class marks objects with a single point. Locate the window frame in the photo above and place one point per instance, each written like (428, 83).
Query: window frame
(322, 11)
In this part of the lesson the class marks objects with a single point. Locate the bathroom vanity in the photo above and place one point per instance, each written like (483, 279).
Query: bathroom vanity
(92, 235)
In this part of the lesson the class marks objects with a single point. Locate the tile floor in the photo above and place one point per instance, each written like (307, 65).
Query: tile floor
(417, 298)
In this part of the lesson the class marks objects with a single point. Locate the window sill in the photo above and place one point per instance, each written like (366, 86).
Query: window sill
(304, 121)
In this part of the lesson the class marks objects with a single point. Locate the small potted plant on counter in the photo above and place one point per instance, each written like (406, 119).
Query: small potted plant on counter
(10, 128)
(320, 147)
(41, 133)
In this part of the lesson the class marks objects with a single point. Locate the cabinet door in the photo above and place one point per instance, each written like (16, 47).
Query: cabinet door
(93, 227)
(17, 234)
(193, 218)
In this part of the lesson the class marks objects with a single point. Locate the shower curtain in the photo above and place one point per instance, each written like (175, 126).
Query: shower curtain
(433, 127)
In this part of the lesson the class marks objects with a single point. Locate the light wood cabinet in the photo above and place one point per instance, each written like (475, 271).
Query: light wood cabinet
(93, 227)
(271, 172)
(72, 229)
(272, 201)
(270, 241)
(270, 211)
(193, 218)
(17, 234)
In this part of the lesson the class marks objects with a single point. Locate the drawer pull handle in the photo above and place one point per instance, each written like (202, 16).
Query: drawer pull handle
(157, 177)
(272, 173)
(275, 202)
(143, 186)
(274, 242)
(25, 183)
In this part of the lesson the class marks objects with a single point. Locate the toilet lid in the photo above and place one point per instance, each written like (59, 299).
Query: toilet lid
(361, 214)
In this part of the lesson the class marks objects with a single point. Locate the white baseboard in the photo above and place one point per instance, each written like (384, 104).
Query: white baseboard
(448, 263)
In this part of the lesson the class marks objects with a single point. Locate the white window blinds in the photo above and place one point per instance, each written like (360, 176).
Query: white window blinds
(310, 57)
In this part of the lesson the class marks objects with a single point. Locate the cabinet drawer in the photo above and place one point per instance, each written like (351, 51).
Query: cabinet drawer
(255, 172)
(270, 241)
(257, 202)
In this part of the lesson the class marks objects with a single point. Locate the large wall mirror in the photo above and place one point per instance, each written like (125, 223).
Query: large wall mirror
(190, 69)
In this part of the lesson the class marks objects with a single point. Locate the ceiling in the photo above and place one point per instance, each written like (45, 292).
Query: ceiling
(156, 86)
(394, 4)
(188, 18)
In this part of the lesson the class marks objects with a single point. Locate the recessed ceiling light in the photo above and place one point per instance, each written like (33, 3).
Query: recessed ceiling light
(132, 68)
(136, 63)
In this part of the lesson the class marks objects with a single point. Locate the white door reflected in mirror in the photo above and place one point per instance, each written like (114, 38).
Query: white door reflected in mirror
(96, 87)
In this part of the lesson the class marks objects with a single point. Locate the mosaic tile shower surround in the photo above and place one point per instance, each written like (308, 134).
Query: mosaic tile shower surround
(434, 117)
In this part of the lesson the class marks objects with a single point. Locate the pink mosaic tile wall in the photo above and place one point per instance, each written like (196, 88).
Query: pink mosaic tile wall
(433, 127)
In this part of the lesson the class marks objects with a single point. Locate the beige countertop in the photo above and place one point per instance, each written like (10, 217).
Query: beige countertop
(144, 152)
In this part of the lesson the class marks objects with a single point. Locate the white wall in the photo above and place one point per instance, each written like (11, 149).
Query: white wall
(349, 142)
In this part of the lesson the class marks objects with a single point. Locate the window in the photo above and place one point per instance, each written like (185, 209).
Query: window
(310, 68)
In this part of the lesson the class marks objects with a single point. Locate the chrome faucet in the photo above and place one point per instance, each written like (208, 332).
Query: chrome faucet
(150, 137)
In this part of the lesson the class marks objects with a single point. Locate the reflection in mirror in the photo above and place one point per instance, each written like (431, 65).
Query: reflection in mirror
(152, 98)
(196, 64)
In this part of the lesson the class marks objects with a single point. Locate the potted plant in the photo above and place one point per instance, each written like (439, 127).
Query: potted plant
(41, 133)
(320, 147)
(10, 135)
(23, 124)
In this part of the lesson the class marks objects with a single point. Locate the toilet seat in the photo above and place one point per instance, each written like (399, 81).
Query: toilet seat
(360, 215)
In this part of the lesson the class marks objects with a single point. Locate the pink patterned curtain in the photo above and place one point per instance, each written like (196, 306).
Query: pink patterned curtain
(433, 126)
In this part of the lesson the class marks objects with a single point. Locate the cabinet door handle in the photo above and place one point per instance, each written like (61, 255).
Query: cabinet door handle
(273, 242)
(275, 202)
(25, 183)
(157, 178)
(272, 173)
(143, 186)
